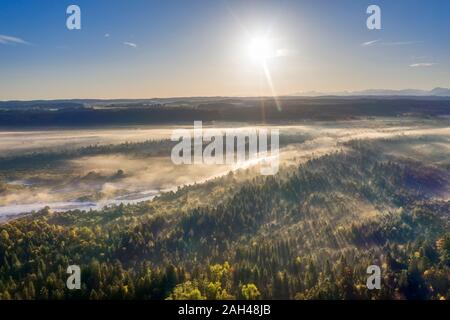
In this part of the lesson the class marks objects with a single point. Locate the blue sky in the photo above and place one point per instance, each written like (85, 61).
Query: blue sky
(144, 49)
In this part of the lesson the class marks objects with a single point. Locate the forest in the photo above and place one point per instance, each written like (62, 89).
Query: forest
(309, 232)
(75, 113)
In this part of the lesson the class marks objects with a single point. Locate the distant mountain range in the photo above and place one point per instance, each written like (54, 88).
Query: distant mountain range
(436, 92)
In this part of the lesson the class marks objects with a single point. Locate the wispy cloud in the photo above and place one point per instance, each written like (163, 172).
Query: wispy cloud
(130, 44)
(369, 43)
(385, 43)
(107, 35)
(4, 39)
(422, 64)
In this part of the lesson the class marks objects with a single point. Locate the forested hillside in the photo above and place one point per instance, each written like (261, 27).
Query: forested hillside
(310, 232)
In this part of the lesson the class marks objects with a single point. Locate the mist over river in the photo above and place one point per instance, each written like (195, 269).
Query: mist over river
(90, 182)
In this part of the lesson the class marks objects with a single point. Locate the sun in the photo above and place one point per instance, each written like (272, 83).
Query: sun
(260, 49)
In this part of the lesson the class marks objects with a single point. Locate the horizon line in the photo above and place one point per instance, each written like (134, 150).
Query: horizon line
(344, 93)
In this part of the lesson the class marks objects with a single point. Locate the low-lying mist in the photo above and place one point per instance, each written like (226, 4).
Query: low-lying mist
(93, 181)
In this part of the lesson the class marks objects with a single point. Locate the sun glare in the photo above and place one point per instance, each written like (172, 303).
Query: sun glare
(260, 49)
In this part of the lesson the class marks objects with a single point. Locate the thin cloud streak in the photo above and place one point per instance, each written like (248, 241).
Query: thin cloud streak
(369, 43)
(395, 43)
(422, 64)
(130, 44)
(4, 39)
